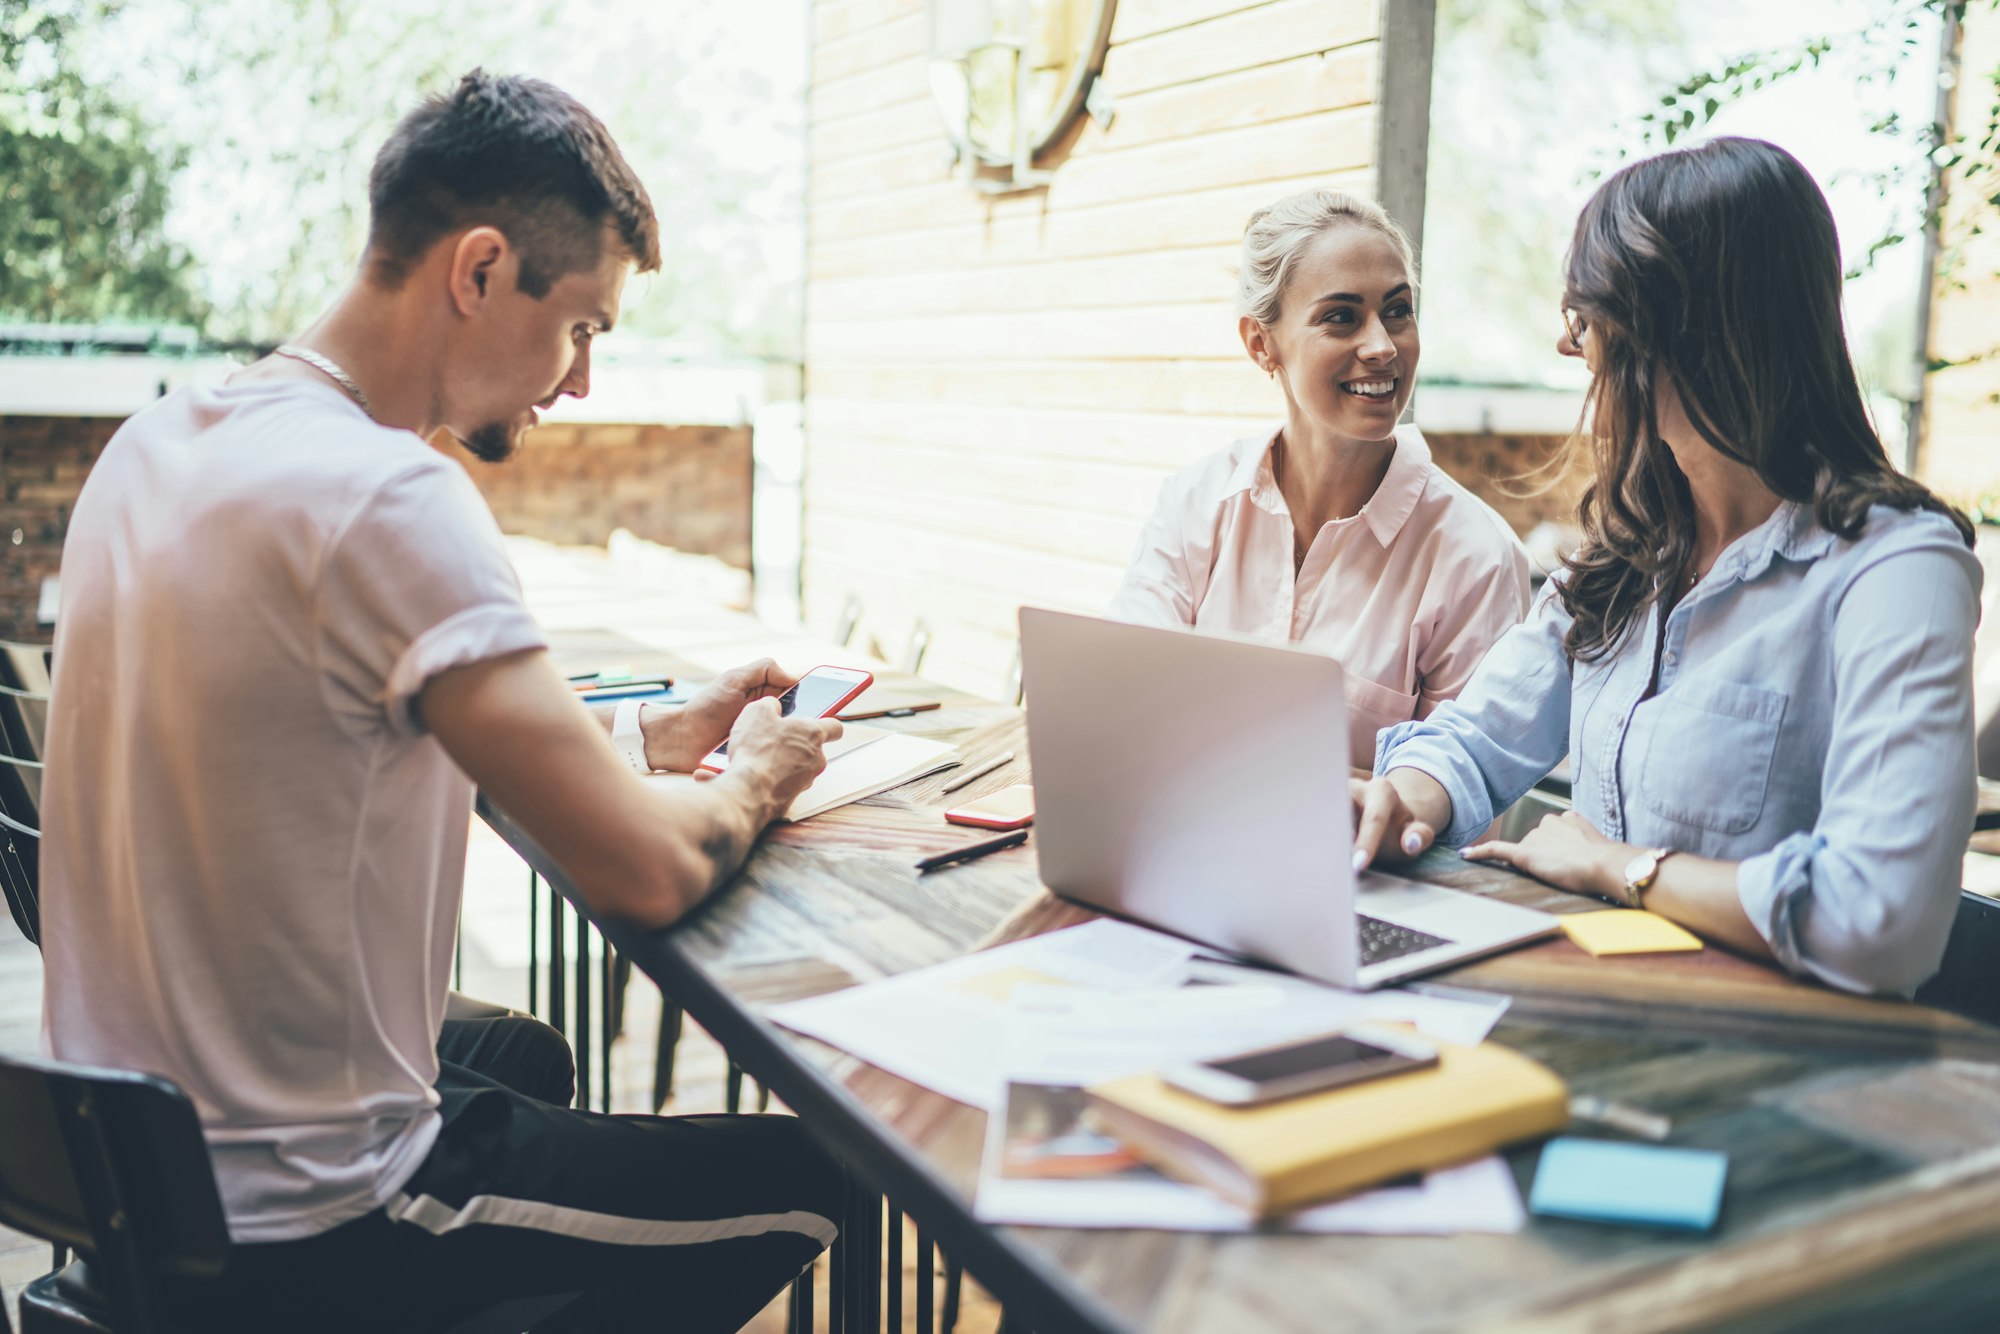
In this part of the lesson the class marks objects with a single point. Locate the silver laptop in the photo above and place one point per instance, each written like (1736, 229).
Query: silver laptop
(1201, 784)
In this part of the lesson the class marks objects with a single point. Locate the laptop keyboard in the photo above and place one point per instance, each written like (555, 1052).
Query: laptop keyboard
(1382, 941)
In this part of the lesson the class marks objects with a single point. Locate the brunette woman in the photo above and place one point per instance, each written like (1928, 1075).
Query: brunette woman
(1760, 658)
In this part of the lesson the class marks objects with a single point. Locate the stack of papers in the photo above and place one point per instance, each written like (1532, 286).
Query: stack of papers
(1046, 1165)
(864, 762)
(1078, 1007)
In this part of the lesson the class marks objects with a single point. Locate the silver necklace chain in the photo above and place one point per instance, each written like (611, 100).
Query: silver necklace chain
(328, 367)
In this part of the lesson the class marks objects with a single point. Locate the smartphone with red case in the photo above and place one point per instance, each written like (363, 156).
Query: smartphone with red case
(1009, 808)
(820, 693)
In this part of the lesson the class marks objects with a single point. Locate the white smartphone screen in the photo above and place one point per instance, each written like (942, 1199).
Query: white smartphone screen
(814, 696)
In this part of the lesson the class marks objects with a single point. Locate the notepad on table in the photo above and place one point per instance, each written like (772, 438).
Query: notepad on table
(1644, 1185)
(866, 761)
(1287, 1154)
(1627, 931)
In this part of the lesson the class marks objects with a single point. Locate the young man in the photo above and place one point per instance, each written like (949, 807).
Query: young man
(291, 643)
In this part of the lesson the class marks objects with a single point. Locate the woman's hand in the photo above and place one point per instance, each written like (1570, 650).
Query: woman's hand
(1396, 817)
(1564, 850)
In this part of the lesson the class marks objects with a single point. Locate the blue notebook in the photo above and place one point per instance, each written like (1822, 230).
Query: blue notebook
(1644, 1185)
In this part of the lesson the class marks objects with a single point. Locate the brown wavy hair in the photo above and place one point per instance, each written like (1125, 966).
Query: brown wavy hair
(1715, 272)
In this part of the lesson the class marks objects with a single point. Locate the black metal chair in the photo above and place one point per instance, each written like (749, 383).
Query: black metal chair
(20, 843)
(1967, 982)
(25, 666)
(24, 723)
(113, 1164)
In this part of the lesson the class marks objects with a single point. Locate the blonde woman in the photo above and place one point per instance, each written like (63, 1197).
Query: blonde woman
(1335, 530)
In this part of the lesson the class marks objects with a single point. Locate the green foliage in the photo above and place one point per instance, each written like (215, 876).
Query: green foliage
(1898, 28)
(286, 101)
(85, 185)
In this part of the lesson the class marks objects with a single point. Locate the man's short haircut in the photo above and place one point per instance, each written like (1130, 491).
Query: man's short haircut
(513, 153)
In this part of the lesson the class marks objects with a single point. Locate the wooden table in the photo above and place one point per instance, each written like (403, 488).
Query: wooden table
(1864, 1136)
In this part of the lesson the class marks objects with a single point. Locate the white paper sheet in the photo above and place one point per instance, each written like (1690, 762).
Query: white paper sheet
(890, 759)
(1089, 1185)
(863, 762)
(1088, 1004)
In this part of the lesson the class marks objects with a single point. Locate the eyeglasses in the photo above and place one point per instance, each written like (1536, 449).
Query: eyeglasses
(1577, 326)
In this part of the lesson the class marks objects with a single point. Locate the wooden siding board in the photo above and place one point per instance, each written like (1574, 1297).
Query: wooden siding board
(897, 125)
(1202, 273)
(1130, 333)
(997, 385)
(1030, 437)
(1103, 539)
(1268, 95)
(835, 19)
(1241, 40)
(858, 54)
(891, 82)
(1224, 388)
(1330, 141)
(1199, 217)
(1146, 18)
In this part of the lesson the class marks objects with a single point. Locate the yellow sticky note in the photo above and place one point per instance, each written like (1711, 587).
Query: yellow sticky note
(1627, 931)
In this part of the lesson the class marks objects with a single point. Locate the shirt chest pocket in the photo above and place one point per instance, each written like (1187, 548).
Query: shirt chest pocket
(1708, 758)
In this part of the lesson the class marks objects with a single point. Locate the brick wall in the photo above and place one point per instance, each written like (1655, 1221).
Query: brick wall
(681, 486)
(43, 461)
(686, 487)
(1501, 470)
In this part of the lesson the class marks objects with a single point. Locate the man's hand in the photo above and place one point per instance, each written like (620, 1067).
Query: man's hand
(678, 739)
(1564, 850)
(782, 754)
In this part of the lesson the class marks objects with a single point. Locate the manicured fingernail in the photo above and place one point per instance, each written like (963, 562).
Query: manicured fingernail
(1360, 860)
(1413, 843)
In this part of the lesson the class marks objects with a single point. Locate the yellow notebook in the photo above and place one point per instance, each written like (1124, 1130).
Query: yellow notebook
(1289, 1154)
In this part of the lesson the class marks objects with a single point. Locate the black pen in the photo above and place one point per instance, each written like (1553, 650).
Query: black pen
(971, 850)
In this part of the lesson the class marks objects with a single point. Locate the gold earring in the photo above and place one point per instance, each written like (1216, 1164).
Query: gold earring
(1271, 369)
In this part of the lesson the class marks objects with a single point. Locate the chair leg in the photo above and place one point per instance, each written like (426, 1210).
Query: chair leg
(953, 1276)
(926, 1279)
(582, 1046)
(621, 978)
(606, 1030)
(672, 1018)
(894, 1270)
(534, 943)
(802, 1300)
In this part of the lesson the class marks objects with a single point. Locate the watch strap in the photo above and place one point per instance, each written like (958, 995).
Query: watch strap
(628, 737)
(1636, 886)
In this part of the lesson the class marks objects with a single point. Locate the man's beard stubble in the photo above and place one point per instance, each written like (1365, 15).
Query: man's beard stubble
(492, 443)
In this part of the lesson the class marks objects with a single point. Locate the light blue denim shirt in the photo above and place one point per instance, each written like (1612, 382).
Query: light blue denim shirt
(1813, 723)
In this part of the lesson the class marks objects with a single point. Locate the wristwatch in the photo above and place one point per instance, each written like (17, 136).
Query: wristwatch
(627, 736)
(1641, 872)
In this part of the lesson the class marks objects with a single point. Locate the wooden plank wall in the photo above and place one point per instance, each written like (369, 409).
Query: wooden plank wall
(995, 387)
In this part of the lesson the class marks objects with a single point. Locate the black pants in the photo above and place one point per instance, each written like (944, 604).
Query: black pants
(658, 1223)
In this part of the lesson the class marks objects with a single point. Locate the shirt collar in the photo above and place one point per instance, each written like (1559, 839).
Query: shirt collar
(1792, 532)
(1386, 511)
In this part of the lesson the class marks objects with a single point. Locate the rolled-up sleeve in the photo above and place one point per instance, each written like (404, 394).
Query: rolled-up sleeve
(1865, 899)
(415, 583)
(1506, 729)
(1163, 584)
(1478, 612)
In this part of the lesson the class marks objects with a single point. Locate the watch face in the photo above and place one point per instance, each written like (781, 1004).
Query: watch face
(1640, 870)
